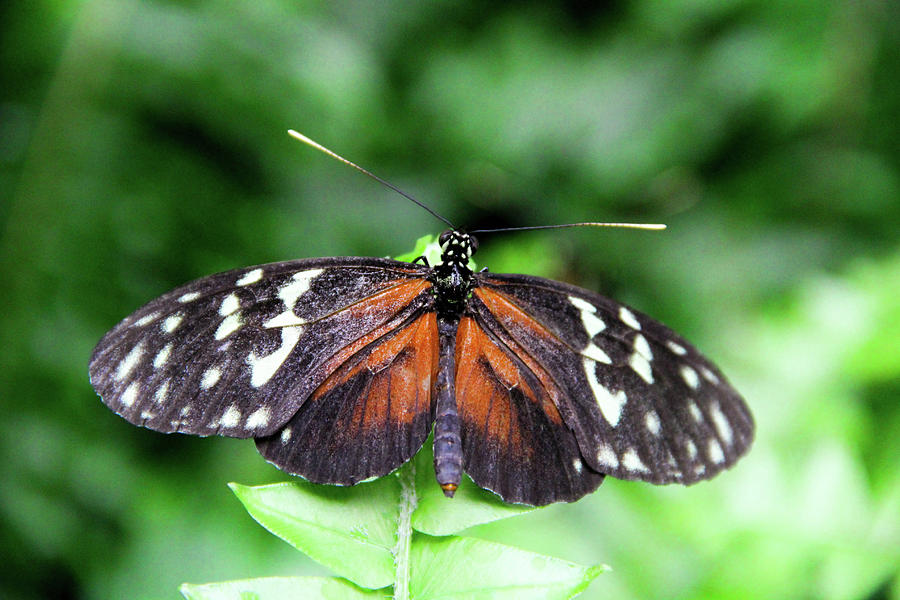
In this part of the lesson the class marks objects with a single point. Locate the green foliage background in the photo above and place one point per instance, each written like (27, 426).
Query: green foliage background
(143, 144)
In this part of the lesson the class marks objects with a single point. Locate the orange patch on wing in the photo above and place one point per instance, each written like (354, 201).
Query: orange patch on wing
(400, 371)
(471, 340)
(390, 302)
(427, 351)
(510, 315)
(519, 324)
(489, 383)
(482, 394)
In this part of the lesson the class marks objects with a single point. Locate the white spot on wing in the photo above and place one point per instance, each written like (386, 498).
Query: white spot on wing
(592, 323)
(651, 419)
(231, 417)
(296, 287)
(581, 304)
(692, 449)
(633, 462)
(262, 368)
(258, 418)
(690, 377)
(721, 423)
(285, 435)
(129, 395)
(229, 325)
(285, 319)
(250, 277)
(642, 347)
(709, 375)
(627, 317)
(610, 404)
(230, 304)
(289, 293)
(162, 356)
(172, 322)
(676, 348)
(695, 411)
(595, 353)
(210, 378)
(189, 297)
(641, 366)
(715, 452)
(161, 392)
(146, 319)
(129, 362)
(607, 457)
(577, 465)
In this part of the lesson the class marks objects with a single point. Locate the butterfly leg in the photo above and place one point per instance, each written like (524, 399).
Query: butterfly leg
(447, 442)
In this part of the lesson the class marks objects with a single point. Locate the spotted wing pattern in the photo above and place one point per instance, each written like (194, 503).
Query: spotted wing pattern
(640, 402)
(239, 353)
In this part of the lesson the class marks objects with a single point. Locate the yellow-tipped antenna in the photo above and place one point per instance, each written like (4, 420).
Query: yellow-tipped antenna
(647, 226)
(299, 136)
(309, 142)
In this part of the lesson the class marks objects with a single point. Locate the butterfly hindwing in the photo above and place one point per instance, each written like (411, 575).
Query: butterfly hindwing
(372, 413)
(237, 353)
(642, 402)
(515, 441)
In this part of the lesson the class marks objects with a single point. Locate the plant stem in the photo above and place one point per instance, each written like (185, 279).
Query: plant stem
(408, 502)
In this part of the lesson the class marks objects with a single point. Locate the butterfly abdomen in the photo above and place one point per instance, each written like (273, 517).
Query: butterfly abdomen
(448, 456)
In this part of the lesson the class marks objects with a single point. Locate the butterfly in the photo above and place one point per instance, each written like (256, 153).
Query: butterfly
(341, 367)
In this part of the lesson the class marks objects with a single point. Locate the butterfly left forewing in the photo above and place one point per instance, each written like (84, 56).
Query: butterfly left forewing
(237, 353)
(642, 402)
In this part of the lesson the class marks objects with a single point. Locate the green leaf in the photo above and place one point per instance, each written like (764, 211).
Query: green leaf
(264, 588)
(460, 567)
(349, 530)
(438, 515)
(428, 247)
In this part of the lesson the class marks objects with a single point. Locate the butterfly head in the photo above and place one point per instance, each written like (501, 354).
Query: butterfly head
(457, 247)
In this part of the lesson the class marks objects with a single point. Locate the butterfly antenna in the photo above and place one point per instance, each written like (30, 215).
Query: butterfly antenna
(299, 136)
(647, 226)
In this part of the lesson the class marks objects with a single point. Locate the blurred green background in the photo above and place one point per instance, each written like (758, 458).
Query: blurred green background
(143, 144)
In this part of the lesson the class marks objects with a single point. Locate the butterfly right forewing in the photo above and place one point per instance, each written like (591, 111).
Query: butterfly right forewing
(643, 403)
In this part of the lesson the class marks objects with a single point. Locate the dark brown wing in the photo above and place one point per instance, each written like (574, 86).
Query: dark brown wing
(641, 401)
(370, 415)
(515, 441)
(238, 353)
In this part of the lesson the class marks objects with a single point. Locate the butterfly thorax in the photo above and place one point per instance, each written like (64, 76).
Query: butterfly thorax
(452, 278)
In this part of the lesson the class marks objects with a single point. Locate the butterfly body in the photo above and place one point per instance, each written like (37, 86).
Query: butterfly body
(341, 367)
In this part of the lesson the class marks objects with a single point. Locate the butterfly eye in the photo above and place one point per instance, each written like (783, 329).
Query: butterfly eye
(445, 237)
(473, 242)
